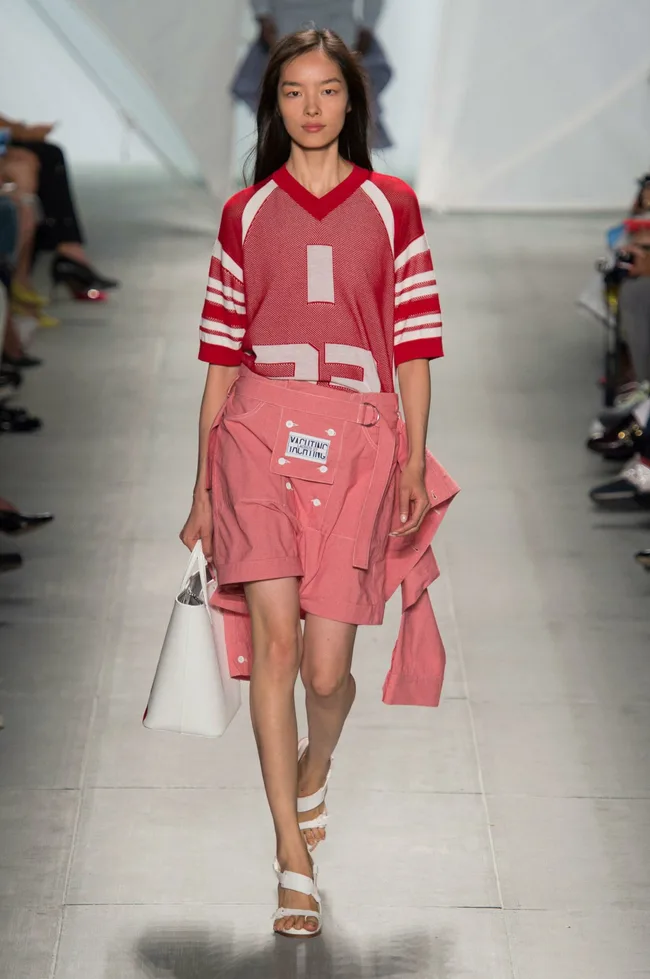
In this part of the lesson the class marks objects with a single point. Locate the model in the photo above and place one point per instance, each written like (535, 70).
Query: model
(321, 286)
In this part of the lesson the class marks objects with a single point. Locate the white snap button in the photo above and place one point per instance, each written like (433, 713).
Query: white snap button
(322, 469)
(316, 502)
(289, 424)
(330, 431)
(241, 659)
(282, 462)
(289, 486)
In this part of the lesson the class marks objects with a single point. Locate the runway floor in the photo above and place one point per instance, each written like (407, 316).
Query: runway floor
(506, 834)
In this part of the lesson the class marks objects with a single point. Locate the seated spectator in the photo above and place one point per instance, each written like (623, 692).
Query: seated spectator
(60, 229)
(632, 485)
(12, 419)
(19, 176)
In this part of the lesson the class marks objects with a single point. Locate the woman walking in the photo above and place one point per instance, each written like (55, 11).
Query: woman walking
(321, 286)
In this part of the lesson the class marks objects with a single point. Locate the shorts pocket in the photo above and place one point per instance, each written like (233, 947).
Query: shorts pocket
(307, 446)
(240, 406)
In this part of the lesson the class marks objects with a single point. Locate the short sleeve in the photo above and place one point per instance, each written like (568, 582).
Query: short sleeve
(418, 321)
(223, 322)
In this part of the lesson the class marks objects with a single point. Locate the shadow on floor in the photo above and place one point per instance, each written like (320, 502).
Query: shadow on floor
(198, 954)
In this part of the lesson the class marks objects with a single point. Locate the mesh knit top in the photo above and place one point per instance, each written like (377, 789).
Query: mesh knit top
(335, 290)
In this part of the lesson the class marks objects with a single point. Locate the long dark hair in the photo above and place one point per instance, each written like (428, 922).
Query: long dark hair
(273, 141)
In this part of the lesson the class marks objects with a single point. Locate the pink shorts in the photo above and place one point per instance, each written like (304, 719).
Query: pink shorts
(303, 484)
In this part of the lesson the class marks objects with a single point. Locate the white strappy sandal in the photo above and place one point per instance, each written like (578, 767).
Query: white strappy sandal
(304, 885)
(308, 802)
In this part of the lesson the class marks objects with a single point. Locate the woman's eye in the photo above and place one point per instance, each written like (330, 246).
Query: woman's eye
(331, 91)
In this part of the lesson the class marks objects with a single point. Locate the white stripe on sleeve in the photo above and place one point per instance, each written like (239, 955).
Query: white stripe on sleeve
(382, 204)
(219, 300)
(415, 248)
(408, 336)
(414, 280)
(253, 207)
(228, 263)
(406, 297)
(228, 291)
(412, 321)
(236, 332)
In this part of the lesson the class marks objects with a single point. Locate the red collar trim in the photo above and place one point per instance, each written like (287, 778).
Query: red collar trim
(320, 207)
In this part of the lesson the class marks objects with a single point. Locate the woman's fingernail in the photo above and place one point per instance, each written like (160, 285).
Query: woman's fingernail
(403, 518)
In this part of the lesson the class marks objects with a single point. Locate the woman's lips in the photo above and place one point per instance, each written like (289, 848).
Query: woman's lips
(313, 128)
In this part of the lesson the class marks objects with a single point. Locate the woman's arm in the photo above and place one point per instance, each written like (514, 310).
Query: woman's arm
(217, 382)
(415, 392)
(21, 132)
(199, 523)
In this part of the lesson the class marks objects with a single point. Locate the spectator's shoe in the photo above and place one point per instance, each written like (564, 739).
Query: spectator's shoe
(22, 362)
(619, 443)
(643, 557)
(8, 386)
(9, 562)
(13, 523)
(46, 320)
(624, 404)
(11, 376)
(82, 281)
(41, 317)
(18, 420)
(630, 482)
(26, 297)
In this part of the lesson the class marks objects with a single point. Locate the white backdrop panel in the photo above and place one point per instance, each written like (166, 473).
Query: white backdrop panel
(186, 53)
(537, 105)
(51, 86)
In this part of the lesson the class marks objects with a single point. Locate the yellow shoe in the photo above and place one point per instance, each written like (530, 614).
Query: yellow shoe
(44, 319)
(27, 296)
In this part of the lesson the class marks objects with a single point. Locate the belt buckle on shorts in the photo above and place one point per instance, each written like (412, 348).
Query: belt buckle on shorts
(369, 404)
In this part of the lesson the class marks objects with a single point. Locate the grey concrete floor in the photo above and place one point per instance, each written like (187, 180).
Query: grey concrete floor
(506, 834)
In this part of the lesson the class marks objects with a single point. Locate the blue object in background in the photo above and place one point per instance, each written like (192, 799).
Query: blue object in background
(615, 236)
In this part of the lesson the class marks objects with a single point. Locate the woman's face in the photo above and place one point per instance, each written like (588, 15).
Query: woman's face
(312, 99)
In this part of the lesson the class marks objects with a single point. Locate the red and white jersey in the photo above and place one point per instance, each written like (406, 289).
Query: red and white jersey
(334, 290)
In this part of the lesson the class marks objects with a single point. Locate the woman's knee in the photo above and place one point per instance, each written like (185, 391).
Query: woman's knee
(22, 168)
(280, 653)
(324, 683)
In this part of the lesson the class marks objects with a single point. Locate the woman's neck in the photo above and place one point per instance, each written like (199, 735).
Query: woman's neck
(319, 171)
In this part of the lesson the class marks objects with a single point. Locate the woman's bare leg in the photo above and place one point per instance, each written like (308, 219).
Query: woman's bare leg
(275, 618)
(330, 692)
(22, 168)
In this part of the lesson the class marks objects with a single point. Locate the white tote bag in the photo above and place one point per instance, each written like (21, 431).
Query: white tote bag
(193, 692)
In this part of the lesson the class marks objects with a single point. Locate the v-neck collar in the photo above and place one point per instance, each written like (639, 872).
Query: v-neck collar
(320, 207)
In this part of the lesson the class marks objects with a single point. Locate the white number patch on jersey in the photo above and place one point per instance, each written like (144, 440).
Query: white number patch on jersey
(320, 274)
(305, 360)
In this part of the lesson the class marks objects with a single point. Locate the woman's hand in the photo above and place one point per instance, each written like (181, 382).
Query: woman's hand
(38, 134)
(199, 525)
(413, 499)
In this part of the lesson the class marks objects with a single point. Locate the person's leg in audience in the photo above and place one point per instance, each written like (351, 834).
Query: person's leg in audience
(20, 167)
(634, 306)
(60, 230)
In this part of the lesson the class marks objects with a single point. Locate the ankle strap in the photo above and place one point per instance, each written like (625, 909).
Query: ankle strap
(298, 882)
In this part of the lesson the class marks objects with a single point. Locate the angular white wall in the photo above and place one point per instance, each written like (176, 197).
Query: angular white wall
(145, 81)
(185, 53)
(537, 105)
(51, 86)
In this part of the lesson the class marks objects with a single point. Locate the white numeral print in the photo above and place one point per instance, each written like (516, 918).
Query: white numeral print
(304, 358)
(342, 353)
